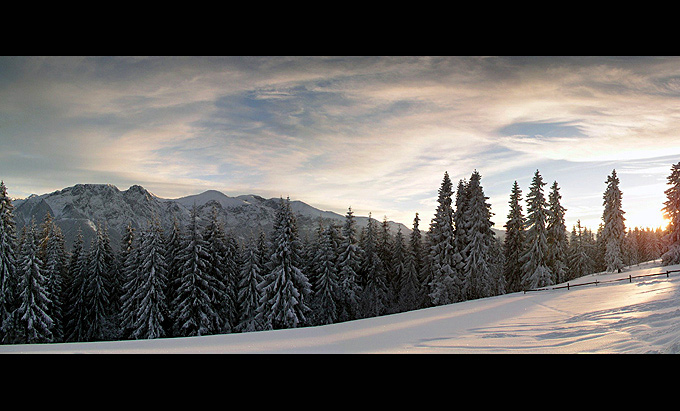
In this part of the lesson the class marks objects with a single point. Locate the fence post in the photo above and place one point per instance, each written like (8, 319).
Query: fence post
(630, 278)
(567, 286)
(666, 273)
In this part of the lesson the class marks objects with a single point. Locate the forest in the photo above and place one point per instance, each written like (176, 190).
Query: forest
(198, 279)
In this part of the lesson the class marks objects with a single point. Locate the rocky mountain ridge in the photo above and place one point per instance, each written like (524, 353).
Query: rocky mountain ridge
(83, 206)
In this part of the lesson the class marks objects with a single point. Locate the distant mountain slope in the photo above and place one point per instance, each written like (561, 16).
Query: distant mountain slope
(83, 206)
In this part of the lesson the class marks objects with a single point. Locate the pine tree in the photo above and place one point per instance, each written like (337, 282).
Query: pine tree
(536, 272)
(53, 255)
(173, 245)
(129, 263)
(374, 284)
(399, 256)
(579, 262)
(98, 286)
(614, 230)
(75, 313)
(349, 266)
(385, 254)
(232, 264)
(671, 212)
(35, 324)
(479, 269)
(410, 289)
(285, 288)
(150, 293)
(446, 286)
(514, 242)
(325, 289)
(8, 269)
(216, 248)
(193, 309)
(461, 227)
(558, 243)
(249, 292)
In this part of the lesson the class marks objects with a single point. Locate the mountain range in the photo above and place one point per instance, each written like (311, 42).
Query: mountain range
(83, 206)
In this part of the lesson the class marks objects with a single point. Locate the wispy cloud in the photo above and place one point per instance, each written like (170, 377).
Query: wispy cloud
(375, 133)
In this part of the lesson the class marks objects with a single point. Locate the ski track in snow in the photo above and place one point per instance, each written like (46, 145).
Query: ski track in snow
(642, 316)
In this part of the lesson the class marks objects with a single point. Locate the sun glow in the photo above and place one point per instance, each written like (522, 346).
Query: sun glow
(646, 219)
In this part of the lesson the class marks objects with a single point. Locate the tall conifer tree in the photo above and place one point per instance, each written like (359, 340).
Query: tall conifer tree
(479, 270)
(349, 266)
(558, 242)
(671, 212)
(249, 293)
(150, 293)
(446, 286)
(35, 324)
(97, 298)
(410, 290)
(514, 241)
(8, 270)
(285, 288)
(536, 272)
(75, 313)
(326, 287)
(374, 285)
(193, 309)
(614, 230)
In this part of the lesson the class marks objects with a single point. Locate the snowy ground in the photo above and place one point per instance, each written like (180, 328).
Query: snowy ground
(642, 316)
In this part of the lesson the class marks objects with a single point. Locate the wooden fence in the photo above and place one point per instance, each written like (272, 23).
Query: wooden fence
(596, 282)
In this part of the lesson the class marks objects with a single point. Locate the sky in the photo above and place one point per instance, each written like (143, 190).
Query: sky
(375, 133)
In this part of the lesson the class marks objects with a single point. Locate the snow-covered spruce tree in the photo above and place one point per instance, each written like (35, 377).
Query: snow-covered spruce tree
(398, 263)
(325, 289)
(98, 291)
(150, 292)
(385, 248)
(374, 283)
(285, 288)
(349, 267)
(193, 310)
(579, 263)
(671, 212)
(460, 228)
(232, 269)
(249, 293)
(216, 249)
(446, 286)
(427, 270)
(535, 270)
(480, 269)
(128, 264)
(8, 271)
(614, 230)
(35, 324)
(514, 242)
(77, 272)
(53, 256)
(410, 290)
(596, 248)
(558, 242)
(652, 247)
(308, 252)
(630, 249)
(173, 245)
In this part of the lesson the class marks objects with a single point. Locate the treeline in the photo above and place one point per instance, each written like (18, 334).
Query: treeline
(199, 280)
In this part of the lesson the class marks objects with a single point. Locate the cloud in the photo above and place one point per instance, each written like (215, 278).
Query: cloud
(376, 133)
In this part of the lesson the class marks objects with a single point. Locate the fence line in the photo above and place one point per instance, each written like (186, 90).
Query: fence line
(629, 278)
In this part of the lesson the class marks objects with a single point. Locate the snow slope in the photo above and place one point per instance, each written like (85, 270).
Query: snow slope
(642, 316)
